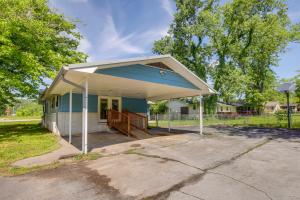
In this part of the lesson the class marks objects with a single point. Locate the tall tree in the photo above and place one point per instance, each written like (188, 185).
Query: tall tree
(35, 42)
(246, 36)
(188, 39)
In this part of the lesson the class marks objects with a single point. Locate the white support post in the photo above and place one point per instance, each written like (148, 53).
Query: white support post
(169, 116)
(84, 117)
(70, 117)
(201, 115)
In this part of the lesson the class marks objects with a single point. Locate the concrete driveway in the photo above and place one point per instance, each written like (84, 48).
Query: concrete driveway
(227, 163)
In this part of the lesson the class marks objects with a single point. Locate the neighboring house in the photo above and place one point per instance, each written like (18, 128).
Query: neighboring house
(94, 97)
(183, 108)
(10, 111)
(244, 109)
(293, 106)
(225, 108)
(272, 107)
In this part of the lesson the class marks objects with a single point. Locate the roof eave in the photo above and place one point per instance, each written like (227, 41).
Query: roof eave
(57, 78)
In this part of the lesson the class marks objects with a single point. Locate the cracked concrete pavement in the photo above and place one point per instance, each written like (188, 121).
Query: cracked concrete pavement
(228, 163)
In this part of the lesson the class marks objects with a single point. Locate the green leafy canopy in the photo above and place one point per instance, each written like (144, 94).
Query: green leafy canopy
(35, 42)
(244, 36)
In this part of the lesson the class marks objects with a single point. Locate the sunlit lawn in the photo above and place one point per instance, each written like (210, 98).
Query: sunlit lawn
(261, 121)
(19, 140)
(19, 117)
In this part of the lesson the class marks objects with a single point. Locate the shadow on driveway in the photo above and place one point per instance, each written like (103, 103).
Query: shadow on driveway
(255, 132)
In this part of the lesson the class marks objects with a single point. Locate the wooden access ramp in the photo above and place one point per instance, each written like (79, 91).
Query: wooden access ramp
(129, 123)
(140, 134)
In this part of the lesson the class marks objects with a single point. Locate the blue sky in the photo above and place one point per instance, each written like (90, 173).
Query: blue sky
(127, 28)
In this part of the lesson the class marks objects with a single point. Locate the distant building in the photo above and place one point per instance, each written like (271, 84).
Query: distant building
(223, 108)
(293, 106)
(272, 107)
(182, 108)
(9, 111)
(244, 109)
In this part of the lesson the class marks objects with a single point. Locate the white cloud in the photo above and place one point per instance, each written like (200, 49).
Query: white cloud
(154, 34)
(84, 45)
(105, 38)
(114, 40)
(167, 6)
(111, 43)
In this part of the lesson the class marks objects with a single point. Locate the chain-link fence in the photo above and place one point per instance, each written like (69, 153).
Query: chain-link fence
(228, 119)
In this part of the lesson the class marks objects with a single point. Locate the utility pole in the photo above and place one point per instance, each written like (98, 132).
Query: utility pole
(288, 109)
(287, 88)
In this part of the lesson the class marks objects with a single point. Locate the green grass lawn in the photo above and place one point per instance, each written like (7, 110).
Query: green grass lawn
(19, 140)
(19, 117)
(261, 121)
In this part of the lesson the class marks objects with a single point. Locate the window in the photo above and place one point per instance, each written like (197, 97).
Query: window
(103, 108)
(52, 102)
(115, 104)
(184, 110)
(56, 102)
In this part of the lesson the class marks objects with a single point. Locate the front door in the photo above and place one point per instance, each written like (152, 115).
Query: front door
(103, 108)
(106, 103)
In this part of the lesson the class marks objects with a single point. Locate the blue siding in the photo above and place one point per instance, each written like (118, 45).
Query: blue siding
(77, 103)
(149, 74)
(134, 105)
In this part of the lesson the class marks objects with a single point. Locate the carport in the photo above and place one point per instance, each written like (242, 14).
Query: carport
(141, 79)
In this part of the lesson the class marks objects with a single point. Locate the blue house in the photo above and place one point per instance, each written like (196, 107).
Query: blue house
(99, 96)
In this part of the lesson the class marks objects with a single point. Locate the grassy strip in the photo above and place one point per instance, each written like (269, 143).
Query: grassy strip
(20, 140)
(19, 117)
(13, 171)
(269, 121)
(88, 156)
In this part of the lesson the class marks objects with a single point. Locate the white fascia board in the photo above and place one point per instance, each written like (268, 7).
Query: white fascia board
(190, 76)
(54, 82)
(85, 70)
(118, 61)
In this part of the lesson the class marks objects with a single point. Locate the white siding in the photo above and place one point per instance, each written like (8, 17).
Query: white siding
(176, 105)
(60, 126)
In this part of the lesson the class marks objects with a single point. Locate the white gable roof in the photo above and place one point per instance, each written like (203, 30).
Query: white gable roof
(76, 73)
(168, 60)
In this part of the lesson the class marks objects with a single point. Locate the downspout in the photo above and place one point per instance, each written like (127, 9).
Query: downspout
(84, 116)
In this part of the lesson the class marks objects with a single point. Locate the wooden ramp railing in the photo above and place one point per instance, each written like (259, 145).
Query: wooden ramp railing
(122, 121)
(119, 121)
(137, 120)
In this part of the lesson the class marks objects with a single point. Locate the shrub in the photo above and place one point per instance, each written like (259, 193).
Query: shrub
(30, 109)
(281, 115)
